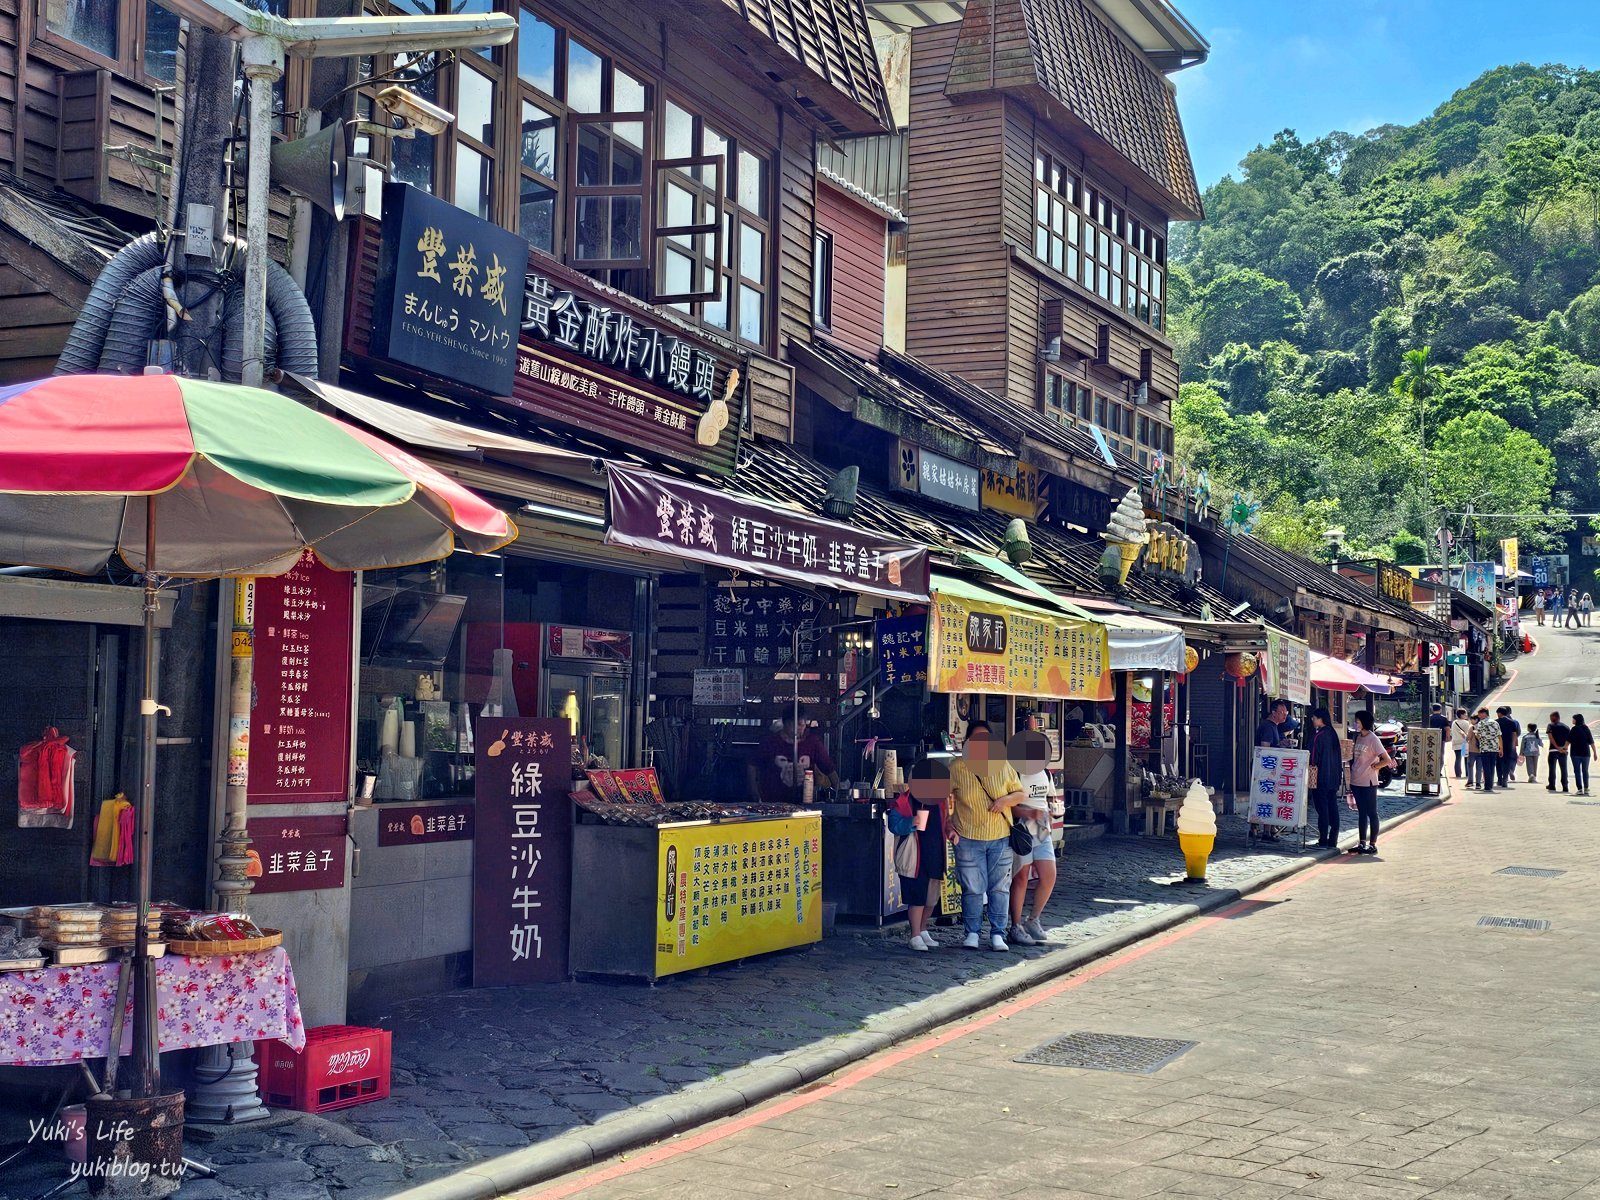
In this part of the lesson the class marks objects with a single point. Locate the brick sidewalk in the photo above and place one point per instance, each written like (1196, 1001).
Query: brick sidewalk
(479, 1073)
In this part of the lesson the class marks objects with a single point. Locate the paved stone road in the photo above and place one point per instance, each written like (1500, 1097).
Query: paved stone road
(1359, 1037)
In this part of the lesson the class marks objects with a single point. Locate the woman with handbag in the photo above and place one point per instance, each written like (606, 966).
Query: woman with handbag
(1030, 754)
(917, 819)
(1366, 760)
(1327, 773)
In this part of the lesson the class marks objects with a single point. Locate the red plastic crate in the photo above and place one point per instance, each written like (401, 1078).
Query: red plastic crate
(340, 1066)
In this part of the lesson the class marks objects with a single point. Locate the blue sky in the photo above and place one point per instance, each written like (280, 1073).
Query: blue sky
(1319, 65)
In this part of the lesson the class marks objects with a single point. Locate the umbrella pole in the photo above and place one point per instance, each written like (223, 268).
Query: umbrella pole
(146, 1046)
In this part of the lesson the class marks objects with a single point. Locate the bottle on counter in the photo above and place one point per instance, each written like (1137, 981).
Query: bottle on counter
(808, 789)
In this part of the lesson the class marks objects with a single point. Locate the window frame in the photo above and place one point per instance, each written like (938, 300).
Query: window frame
(133, 28)
(822, 248)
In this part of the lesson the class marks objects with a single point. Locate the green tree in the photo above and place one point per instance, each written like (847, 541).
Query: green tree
(1481, 463)
(1244, 305)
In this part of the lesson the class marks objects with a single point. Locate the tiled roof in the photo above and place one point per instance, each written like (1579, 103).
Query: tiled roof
(26, 208)
(1066, 49)
(831, 40)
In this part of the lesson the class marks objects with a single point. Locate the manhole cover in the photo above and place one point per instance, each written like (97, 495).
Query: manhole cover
(1531, 872)
(1531, 924)
(1107, 1052)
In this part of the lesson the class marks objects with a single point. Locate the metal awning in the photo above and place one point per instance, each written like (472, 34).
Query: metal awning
(428, 432)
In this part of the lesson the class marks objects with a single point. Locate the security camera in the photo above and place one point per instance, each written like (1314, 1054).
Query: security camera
(414, 110)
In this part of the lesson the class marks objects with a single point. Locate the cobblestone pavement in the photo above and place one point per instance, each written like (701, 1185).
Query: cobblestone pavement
(478, 1073)
(1358, 1035)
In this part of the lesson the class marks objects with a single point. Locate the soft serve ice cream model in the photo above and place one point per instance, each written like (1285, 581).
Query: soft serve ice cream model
(1126, 532)
(1197, 829)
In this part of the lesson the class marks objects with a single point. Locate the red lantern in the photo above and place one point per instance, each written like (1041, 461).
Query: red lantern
(1241, 666)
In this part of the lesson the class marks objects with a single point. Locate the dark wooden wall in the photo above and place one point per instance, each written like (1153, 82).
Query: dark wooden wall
(860, 243)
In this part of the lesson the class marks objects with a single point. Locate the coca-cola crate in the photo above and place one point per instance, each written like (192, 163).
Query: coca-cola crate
(340, 1066)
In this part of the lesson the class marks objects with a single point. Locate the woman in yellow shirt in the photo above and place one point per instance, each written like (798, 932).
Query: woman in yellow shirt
(984, 788)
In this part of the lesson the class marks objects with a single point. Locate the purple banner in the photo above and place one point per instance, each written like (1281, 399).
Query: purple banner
(407, 825)
(670, 516)
(522, 865)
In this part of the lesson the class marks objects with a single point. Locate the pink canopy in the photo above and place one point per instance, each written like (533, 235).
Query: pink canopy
(1336, 675)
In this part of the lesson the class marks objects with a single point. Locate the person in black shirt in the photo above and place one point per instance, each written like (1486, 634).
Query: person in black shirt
(1581, 747)
(1510, 736)
(1328, 765)
(1559, 737)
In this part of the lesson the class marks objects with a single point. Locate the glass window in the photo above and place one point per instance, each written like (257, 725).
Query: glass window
(677, 133)
(92, 24)
(627, 93)
(160, 43)
(752, 254)
(539, 141)
(474, 180)
(752, 318)
(411, 160)
(536, 54)
(475, 105)
(753, 184)
(585, 74)
(822, 280)
(537, 214)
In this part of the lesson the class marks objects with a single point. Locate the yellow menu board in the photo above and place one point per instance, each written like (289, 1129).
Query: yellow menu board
(731, 891)
(976, 645)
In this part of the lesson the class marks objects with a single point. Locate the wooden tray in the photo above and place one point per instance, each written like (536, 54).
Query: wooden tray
(270, 938)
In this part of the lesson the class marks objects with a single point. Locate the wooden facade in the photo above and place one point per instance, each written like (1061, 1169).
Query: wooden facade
(980, 301)
(858, 237)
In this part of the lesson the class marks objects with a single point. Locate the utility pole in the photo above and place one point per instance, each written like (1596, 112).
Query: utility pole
(204, 125)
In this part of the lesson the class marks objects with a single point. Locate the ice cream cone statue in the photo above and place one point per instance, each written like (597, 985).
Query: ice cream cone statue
(1126, 532)
(1197, 829)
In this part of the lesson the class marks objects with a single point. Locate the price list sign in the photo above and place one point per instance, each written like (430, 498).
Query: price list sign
(522, 861)
(761, 625)
(1278, 787)
(731, 891)
(300, 723)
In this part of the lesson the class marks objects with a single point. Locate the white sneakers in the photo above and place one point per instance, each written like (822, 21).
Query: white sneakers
(973, 942)
(998, 943)
(927, 939)
(916, 944)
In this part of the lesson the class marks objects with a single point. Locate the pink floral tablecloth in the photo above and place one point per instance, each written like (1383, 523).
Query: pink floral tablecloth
(61, 1014)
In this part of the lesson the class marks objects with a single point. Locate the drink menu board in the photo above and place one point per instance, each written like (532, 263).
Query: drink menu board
(522, 865)
(300, 723)
(730, 891)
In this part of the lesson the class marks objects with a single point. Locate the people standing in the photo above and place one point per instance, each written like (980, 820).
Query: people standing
(1327, 766)
(1510, 733)
(1367, 758)
(1474, 755)
(1488, 732)
(1555, 607)
(926, 806)
(1538, 607)
(1586, 608)
(1460, 734)
(777, 771)
(1532, 744)
(1269, 737)
(1571, 607)
(1030, 752)
(1581, 747)
(984, 789)
(1559, 736)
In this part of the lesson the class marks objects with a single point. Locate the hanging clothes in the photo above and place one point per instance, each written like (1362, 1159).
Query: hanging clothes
(45, 782)
(108, 848)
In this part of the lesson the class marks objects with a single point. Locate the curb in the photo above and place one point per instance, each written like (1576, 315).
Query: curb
(656, 1120)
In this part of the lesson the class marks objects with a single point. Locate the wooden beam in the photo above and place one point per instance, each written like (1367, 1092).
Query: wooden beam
(68, 600)
(38, 230)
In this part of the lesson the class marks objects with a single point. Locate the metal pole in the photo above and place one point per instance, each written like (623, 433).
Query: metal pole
(146, 1044)
(263, 67)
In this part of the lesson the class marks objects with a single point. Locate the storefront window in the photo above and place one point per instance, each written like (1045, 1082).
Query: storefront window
(92, 24)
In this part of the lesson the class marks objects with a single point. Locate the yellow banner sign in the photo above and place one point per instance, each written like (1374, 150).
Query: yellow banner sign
(980, 646)
(1019, 494)
(730, 891)
(1508, 556)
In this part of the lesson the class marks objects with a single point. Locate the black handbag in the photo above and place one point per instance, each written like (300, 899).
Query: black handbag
(1021, 838)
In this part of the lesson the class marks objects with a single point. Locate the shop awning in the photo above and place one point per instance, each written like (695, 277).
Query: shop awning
(667, 515)
(1336, 675)
(983, 640)
(428, 432)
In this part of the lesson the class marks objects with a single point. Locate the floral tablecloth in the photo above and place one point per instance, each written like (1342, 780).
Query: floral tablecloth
(61, 1014)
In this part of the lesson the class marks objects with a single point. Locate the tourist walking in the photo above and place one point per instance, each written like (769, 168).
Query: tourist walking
(1327, 776)
(1488, 731)
(1581, 747)
(1559, 736)
(1460, 734)
(1572, 608)
(1538, 608)
(1532, 744)
(1366, 760)
(1030, 754)
(984, 788)
(1474, 761)
(1510, 734)
(1585, 608)
(1555, 607)
(918, 821)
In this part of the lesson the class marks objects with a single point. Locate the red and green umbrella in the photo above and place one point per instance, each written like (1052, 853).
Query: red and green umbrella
(243, 480)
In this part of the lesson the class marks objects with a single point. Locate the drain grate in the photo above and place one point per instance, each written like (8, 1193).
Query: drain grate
(1107, 1052)
(1586, 803)
(1531, 872)
(1530, 924)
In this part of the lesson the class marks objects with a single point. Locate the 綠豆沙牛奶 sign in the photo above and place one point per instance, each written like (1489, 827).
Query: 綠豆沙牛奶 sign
(670, 516)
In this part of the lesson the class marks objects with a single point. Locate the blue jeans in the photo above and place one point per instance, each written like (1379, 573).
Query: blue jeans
(984, 868)
(1461, 755)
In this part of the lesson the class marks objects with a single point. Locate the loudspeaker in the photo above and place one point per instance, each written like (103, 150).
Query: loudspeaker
(315, 167)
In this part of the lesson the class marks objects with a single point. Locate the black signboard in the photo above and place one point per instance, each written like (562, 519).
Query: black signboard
(522, 861)
(449, 295)
(758, 624)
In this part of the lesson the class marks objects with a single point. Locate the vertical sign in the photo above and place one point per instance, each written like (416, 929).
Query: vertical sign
(300, 722)
(1508, 556)
(1278, 787)
(522, 864)
(1477, 581)
(1424, 755)
(903, 649)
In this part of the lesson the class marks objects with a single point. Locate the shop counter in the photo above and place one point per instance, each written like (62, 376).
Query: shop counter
(860, 879)
(653, 901)
(62, 1014)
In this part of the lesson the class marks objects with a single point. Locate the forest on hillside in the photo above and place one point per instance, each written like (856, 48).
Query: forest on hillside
(1384, 331)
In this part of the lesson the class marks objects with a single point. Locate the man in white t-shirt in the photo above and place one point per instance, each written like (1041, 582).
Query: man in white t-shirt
(1030, 751)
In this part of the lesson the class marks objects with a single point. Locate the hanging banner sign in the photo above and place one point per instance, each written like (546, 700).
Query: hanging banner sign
(670, 516)
(1278, 787)
(1477, 581)
(979, 646)
(1395, 583)
(522, 867)
(1508, 556)
(1287, 667)
(903, 649)
(1019, 495)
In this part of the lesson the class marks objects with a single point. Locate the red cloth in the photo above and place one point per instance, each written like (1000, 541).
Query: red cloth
(44, 781)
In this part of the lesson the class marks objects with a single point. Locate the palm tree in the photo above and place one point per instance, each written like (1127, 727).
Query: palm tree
(1419, 380)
